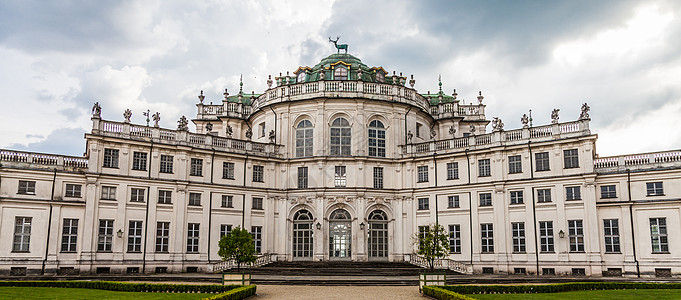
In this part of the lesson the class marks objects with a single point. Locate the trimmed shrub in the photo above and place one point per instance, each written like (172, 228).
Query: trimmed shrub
(127, 286)
(239, 293)
(442, 294)
(556, 288)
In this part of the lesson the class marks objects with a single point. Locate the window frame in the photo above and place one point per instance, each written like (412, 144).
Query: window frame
(423, 203)
(611, 236)
(573, 193)
(257, 203)
(26, 187)
(654, 188)
(544, 196)
(69, 235)
(166, 164)
(165, 197)
(455, 238)
(377, 140)
(22, 234)
(453, 201)
(139, 161)
(517, 197)
(162, 237)
(542, 162)
(303, 179)
(193, 237)
(422, 174)
(487, 238)
(340, 176)
(518, 237)
(135, 230)
(137, 195)
(105, 235)
(340, 143)
(576, 236)
(108, 192)
(484, 167)
(546, 237)
(571, 158)
(487, 201)
(452, 170)
(258, 173)
(110, 158)
(659, 238)
(256, 233)
(378, 178)
(304, 139)
(515, 164)
(228, 170)
(194, 199)
(73, 190)
(227, 201)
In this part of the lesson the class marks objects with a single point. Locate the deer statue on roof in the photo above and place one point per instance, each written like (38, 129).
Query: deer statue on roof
(339, 47)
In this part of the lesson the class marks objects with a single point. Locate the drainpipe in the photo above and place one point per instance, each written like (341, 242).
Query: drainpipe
(534, 211)
(49, 223)
(210, 200)
(470, 204)
(631, 221)
(146, 213)
(275, 124)
(405, 126)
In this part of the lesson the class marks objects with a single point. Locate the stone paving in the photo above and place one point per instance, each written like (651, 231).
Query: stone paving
(295, 292)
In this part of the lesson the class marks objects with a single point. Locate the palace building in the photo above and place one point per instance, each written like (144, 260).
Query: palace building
(341, 161)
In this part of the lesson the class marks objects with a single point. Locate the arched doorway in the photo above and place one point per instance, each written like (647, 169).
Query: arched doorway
(302, 235)
(340, 235)
(378, 235)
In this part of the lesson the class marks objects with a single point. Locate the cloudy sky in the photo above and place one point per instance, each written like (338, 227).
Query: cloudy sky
(59, 57)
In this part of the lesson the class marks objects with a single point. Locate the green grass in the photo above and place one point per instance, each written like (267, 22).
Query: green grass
(69, 293)
(589, 295)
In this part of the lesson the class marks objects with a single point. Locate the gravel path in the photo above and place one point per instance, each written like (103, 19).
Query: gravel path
(295, 292)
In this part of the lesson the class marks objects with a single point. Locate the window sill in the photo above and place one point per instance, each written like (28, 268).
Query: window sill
(107, 199)
(455, 178)
(165, 203)
(17, 251)
(262, 181)
(665, 252)
(107, 251)
(613, 252)
(109, 167)
(654, 195)
(161, 172)
(73, 197)
(517, 204)
(580, 199)
(138, 252)
(523, 252)
(515, 172)
(139, 170)
(227, 178)
(452, 207)
(422, 181)
(615, 197)
(577, 167)
(543, 170)
(577, 252)
(31, 194)
(485, 176)
(67, 252)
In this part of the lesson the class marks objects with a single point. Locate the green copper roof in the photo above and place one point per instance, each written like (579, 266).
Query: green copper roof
(328, 65)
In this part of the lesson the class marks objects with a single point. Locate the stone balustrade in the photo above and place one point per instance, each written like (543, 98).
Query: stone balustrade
(622, 163)
(499, 138)
(439, 263)
(41, 159)
(179, 137)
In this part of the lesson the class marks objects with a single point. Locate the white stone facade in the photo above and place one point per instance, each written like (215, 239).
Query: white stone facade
(149, 199)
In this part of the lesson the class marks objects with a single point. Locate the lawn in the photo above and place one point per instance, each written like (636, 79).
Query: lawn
(590, 295)
(69, 293)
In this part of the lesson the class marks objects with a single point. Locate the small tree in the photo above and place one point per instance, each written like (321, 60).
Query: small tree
(433, 244)
(238, 245)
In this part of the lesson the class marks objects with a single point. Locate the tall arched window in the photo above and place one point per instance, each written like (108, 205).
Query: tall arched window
(376, 139)
(340, 73)
(302, 235)
(340, 137)
(304, 139)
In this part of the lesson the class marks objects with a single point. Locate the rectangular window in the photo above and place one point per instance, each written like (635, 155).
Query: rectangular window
(658, 235)
(302, 177)
(424, 203)
(73, 190)
(135, 236)
(165, 197)
(485, 199)
(518, 230)
(256, 232)
(139, 161)
(546, 236)
(452, 201)
(105, 235)
(544, 195)
(136, 195)
(261, 126)
(194, 199)
(26, 187)
(608, 191)
(227, 201)
(166, 164)
(576, 235)
(162, 236)
(423, 230)
(517, 197)
(573, 193)
(487, 238)
(69, 235)
(455, 238)
(257, 203)
(108, 193)
(225, 229)
(611, 232)
(378, 177)
(227, 170)
(571, 158)
(418, 129)
(339, 179)
(422, 172)
(542, 161)
(484, 168)
(196, 167)
(515, 164)
(193, 237)
(258, 174)
(654, 189)
(22, 234)
(110, 158)
(452, 170)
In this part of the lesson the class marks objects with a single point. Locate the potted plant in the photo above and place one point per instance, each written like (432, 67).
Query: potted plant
(432, 245)
(238, 246)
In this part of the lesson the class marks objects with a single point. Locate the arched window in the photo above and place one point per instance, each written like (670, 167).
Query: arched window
(376, 139)
(340, 137)
(340, 215)
(340, 73)
(302, 235)
(301, 77)
(378, 235)
(378, 215)
(380, 77)
(303, 215)
(304, 139)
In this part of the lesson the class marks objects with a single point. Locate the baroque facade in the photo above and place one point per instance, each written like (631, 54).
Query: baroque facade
(341, 161)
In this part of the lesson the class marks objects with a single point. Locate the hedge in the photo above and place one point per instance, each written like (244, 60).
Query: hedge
(239, 293)
(438, 293)
(555, 288)
(130, 287)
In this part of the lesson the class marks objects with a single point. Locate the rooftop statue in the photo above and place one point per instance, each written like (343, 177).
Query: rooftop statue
(554, 116)
(96, 111)
(584, 115)
(339, 47)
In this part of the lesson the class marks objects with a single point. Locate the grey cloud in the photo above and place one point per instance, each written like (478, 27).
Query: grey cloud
(67, 141)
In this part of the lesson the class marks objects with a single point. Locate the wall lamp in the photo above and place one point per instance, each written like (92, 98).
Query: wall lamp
(119, 233)
(561, 234)
(319, 226)
(361, 225)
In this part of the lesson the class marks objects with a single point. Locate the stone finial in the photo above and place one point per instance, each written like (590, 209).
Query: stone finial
(226, 94)
(497, 124)
(201, 97)
(182, 124)
(96, 111)
(454, 94)
(412, 82)
(127, 114)
(584, 115)
(554, 116)
(480, 97)
(156, 117)
(525, 120)
(249, 133)
(241, 84)
(269, 81)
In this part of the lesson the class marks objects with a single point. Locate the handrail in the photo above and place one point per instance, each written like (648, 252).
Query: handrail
(637, 160)
(439, 263)
(264, 259)
(43, 159)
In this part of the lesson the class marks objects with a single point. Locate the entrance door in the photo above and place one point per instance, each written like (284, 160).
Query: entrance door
(340, 235)
(302, 235)
(378, 236)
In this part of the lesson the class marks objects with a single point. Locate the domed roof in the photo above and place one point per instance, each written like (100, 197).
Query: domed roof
(334, 59)
(329, 64)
